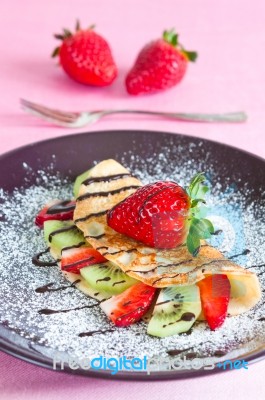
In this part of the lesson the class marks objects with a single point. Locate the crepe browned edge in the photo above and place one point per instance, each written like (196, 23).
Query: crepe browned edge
(155, 267)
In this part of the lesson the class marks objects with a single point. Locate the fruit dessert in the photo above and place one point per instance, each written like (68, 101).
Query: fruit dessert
(141, 251)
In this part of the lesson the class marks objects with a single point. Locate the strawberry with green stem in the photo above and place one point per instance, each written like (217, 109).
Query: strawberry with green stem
(160, 65)
(86, 56)
(164, 215)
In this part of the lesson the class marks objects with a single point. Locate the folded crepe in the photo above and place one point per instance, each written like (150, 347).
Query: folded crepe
(109, 183)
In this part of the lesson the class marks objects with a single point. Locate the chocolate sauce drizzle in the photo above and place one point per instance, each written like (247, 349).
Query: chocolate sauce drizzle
(104, 178)
(244, 253)
(74, 264)
(61, 207)
(74, 246)
(106, 194)
(48, 288)
(217, 232)
(36, 260)
(95, 237)
(86, 217)
(65, 229)
(187, 316)
(91, 333)
(48, 311)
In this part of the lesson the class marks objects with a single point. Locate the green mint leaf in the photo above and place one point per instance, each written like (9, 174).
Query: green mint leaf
(201, 228)
(195, 202)
(193, 245)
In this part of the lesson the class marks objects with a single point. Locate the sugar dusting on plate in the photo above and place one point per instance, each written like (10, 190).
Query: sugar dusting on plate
(241, 226)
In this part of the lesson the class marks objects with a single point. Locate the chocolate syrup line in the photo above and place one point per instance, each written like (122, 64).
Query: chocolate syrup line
(106, 194)
(74, 246)
(215, 233)
(62, 230)
(91, 333)
(116, 252)
(244, 253)
(86, 217)
(187, 316)
(48, 311)
(176, 264)
(142, 272)
(176, 352)
(36, 260)
(47, 288)
(61, 207)
(95, 237)
(67, 266)
(116, 283)
(105, 178)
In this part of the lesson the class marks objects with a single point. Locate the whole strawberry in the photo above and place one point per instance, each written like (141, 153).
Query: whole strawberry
(86, 57)
(164, 215)
(160, 65)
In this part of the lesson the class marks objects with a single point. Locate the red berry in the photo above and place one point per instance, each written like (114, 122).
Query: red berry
(215, 295)
(160, 65)
(74, 259)
(86, 57)
(56, 210)
(129, 306)
(156, 214)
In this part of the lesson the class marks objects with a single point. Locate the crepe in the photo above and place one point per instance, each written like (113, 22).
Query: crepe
(155, 267)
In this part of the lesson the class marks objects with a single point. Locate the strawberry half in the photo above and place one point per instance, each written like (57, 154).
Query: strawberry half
(86, 57)
(76, 258)
(164, 215)
(56, 210)
(215, 295)
(160, 65)
(129, 306)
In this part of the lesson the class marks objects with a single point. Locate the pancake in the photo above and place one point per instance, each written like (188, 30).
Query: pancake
(110, 183)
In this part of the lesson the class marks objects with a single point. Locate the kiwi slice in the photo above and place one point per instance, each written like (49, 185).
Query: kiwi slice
(107, 277)
(61, 234)
(79, 180)
(176, 310)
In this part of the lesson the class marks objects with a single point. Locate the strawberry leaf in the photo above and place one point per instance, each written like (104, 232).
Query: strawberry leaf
(56, 52)
(191, 55)
(171, 37)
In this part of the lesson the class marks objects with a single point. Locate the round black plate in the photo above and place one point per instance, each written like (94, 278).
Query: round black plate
(70, 155)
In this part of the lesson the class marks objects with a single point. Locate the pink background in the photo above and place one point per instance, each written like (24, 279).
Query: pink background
(228, 76)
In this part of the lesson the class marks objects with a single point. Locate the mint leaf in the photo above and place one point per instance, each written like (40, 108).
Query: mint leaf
(201, 228)
(193, 244)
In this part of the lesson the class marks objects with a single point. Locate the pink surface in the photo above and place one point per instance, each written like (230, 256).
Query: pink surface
(228, 76)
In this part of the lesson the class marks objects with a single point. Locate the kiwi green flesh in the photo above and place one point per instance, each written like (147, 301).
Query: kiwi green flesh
(79, 180)
(107, 277)
(60, 240)
(176, 310)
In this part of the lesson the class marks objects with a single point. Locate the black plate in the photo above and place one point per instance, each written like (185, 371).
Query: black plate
(71, 155)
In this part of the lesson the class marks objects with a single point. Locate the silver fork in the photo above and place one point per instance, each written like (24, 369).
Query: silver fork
(79, 119)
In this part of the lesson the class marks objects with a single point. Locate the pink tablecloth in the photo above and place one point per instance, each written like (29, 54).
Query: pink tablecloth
(228, 76)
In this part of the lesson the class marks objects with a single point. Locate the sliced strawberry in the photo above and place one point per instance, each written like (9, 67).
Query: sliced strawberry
(76, 258)
(56, 210)
(129, 306)
(215, 294)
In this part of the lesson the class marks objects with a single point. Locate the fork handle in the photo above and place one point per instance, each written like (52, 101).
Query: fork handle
(198, 117)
